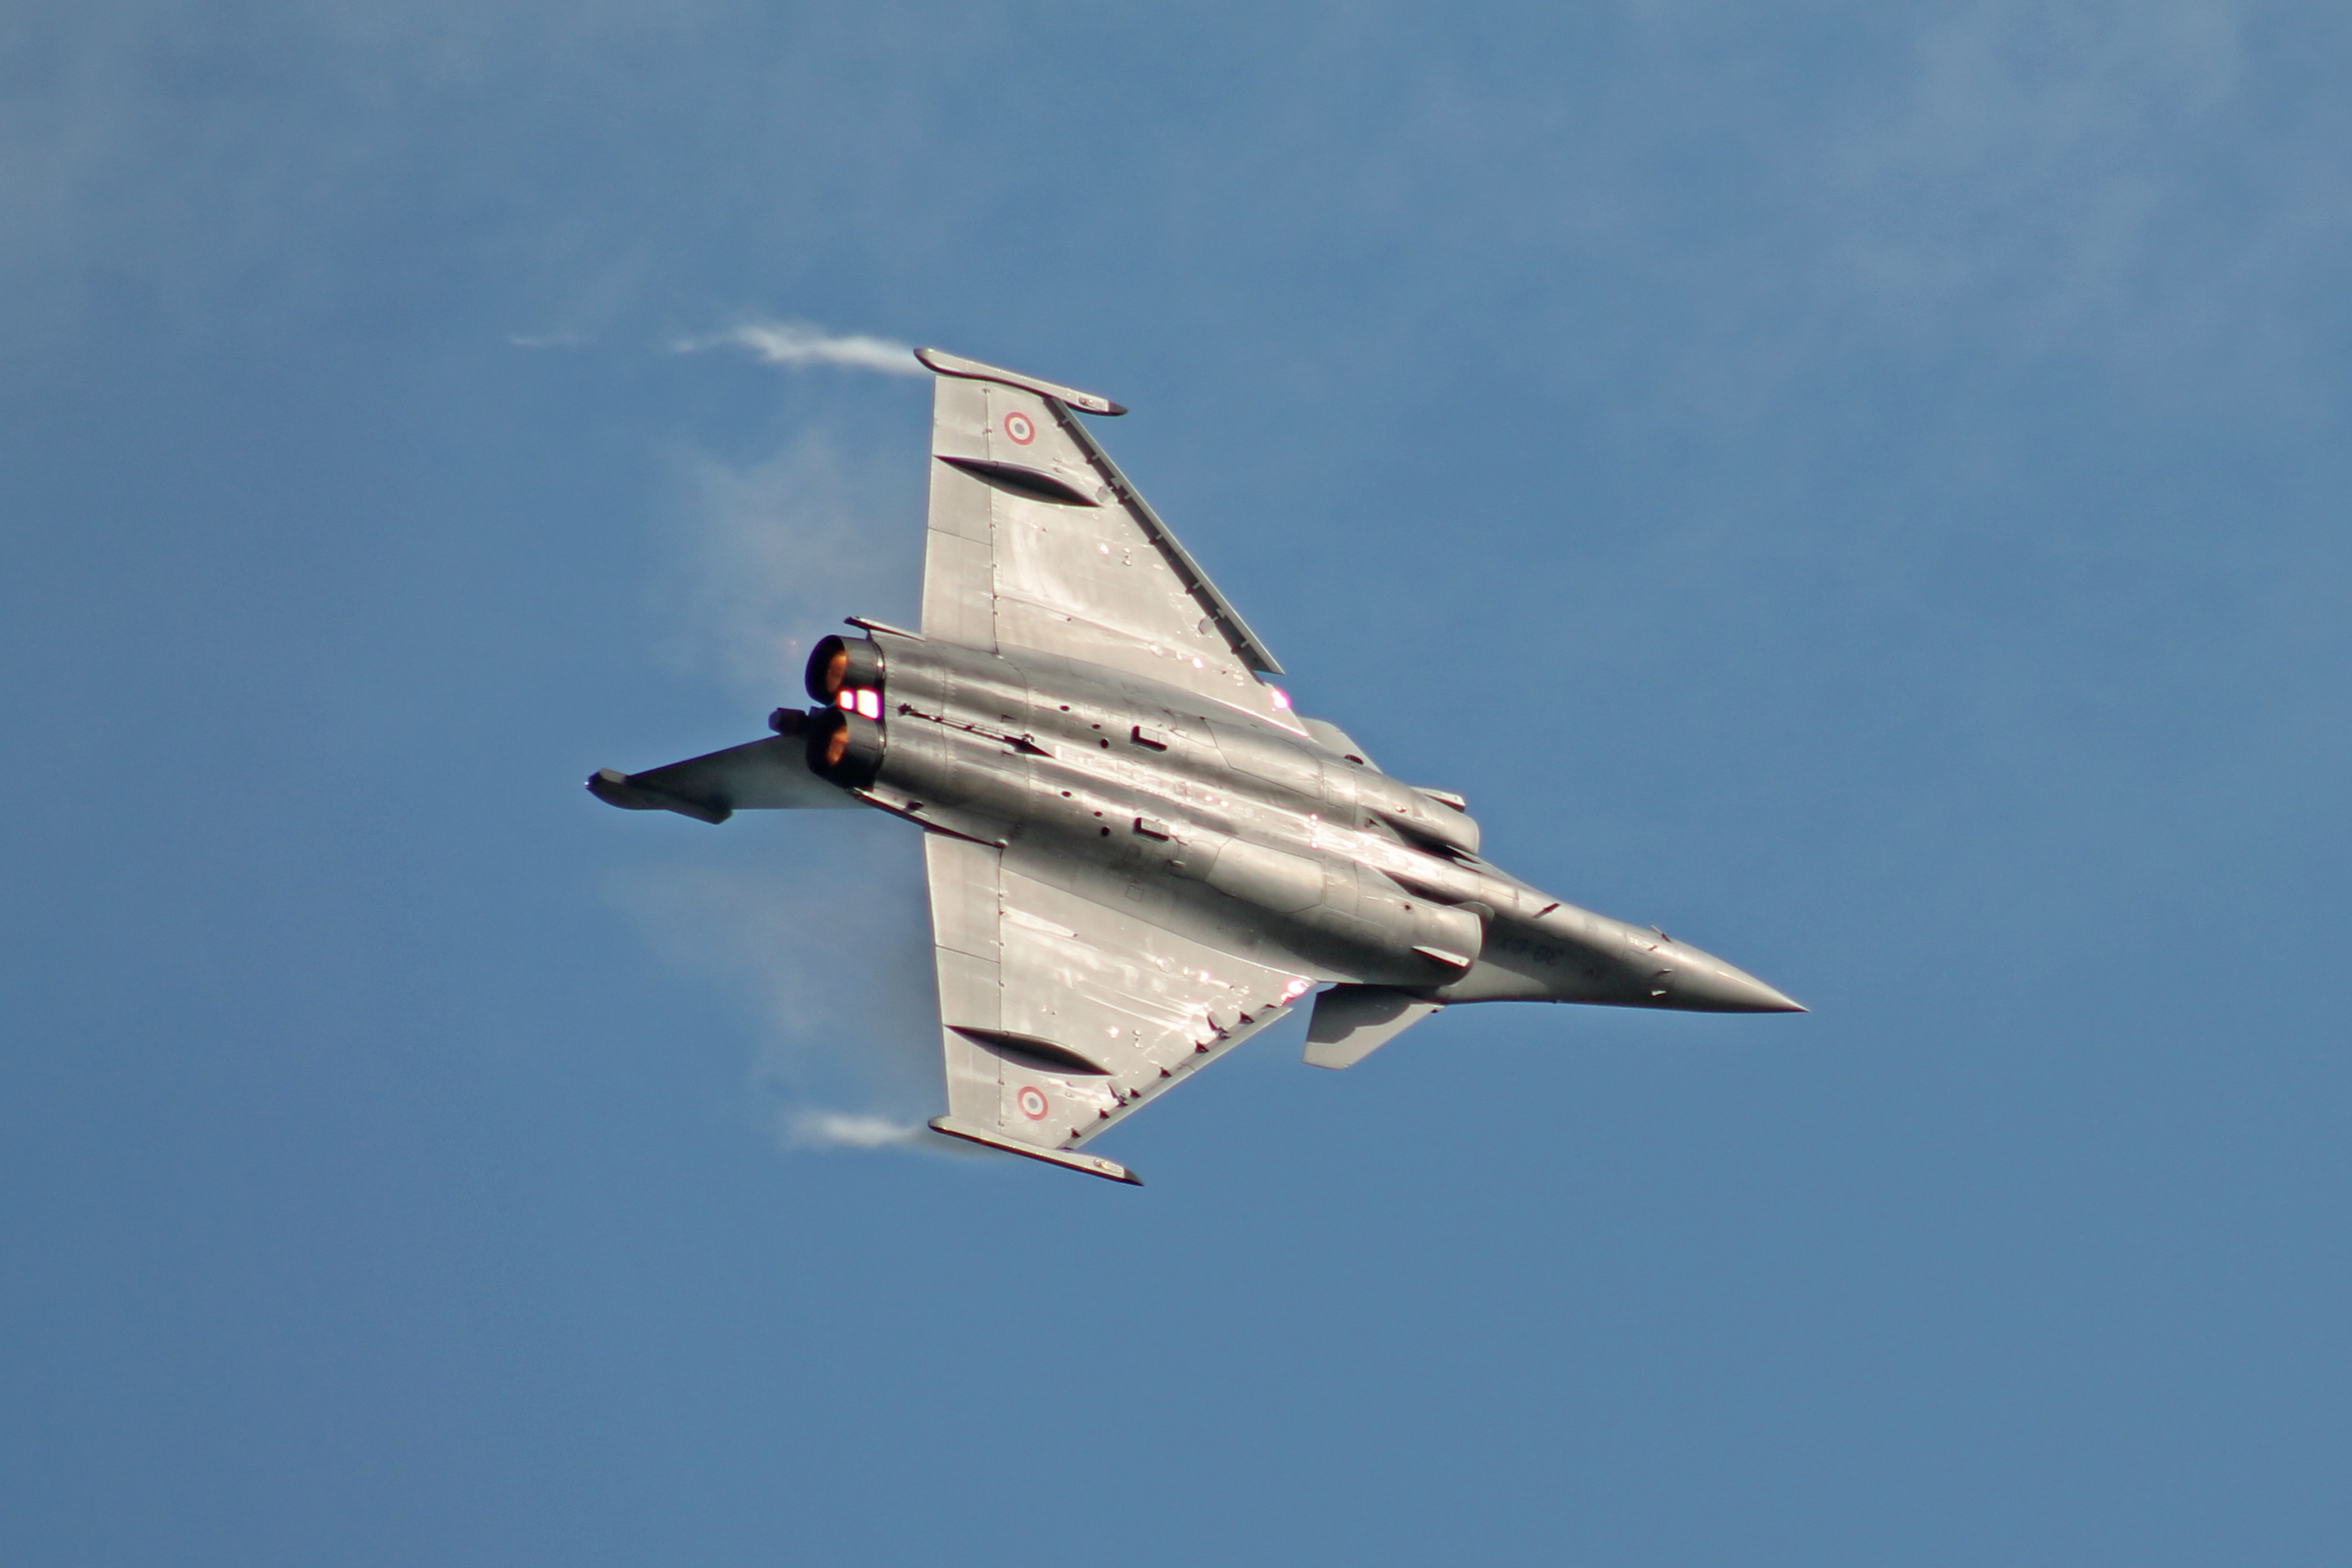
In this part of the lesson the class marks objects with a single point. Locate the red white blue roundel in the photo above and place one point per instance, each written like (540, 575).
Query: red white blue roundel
(1031, 1100)
(1017, 425)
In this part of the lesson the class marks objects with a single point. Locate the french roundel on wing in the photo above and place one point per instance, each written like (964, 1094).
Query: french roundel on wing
(1019, 427)
(1033, 1102)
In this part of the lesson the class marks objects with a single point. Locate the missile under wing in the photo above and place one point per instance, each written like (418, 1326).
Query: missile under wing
(1138, 854)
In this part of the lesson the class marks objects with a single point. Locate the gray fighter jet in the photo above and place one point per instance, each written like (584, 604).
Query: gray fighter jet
(1140, 854)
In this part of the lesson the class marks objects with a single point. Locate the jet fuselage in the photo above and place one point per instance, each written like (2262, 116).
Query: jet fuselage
(1298, 849)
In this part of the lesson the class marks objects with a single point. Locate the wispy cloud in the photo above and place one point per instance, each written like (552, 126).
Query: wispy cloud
(2031, 162)
(805, 342)
(775, 552)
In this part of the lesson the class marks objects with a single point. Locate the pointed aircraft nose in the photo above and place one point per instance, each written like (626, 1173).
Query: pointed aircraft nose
(1702, 983)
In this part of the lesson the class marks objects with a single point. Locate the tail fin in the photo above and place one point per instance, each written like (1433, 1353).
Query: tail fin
(765, 775)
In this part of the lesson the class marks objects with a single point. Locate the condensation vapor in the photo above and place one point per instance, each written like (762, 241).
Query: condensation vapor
(805, 344)
(815, 923)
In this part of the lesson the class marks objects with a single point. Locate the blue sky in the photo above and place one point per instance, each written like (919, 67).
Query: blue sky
(1862, 487)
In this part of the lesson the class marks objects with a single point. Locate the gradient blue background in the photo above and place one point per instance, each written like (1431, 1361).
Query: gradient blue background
(1862, 486)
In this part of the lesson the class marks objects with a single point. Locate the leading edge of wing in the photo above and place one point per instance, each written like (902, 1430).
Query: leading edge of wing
(1237, 633)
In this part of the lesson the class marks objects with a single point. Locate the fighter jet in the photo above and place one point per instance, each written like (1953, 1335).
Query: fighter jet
(1140, 854)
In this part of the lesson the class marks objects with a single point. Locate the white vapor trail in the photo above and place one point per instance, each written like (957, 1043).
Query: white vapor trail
(816, 1129)
(805, 342)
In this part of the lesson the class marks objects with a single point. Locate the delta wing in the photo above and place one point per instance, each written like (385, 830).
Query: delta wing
(1062, 1013)
(1038, 540)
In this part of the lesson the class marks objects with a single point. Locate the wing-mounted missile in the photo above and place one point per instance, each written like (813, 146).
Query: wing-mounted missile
(1068, 1159)
(945, 364)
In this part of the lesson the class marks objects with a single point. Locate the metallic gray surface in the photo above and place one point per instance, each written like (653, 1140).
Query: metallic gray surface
(1351, 1022)
(763, 775)
(945, 364)
(1138, 856)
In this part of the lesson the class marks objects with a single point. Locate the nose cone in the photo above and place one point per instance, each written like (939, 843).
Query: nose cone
(1702, 983)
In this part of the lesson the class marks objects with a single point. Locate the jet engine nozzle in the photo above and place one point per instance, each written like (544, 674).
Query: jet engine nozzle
(845, 748)
(847, 673)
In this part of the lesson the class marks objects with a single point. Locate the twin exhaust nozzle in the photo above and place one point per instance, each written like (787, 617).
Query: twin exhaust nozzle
(845, 735)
